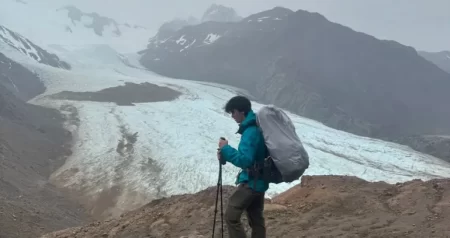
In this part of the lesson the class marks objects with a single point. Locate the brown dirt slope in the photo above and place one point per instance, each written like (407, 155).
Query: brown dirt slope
(321, 206)
(32, 144)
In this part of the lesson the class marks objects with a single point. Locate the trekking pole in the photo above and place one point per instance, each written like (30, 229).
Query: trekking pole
(219, 187)
(222, 162)
(221, 197)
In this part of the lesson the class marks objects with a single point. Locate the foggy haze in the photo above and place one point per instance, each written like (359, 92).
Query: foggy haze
(423, 25)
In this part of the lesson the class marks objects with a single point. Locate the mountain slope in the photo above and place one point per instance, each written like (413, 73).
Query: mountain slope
(301, 61)
(32, 145)
(322, 206)
(441, 59)
(19, 81)
(28, 48)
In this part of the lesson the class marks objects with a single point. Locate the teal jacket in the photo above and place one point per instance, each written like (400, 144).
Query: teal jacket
(251, 148)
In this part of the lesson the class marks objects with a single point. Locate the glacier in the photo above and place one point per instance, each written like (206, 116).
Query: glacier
(175, 151)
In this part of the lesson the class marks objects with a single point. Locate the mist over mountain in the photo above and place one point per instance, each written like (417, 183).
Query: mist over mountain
(71, 26)
(220, 13)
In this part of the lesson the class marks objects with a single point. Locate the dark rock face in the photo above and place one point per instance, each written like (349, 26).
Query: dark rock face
(19, 81)
(25, 46)
(440, 59)
(325, 71)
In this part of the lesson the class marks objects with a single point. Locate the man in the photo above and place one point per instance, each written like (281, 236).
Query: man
(249, 195)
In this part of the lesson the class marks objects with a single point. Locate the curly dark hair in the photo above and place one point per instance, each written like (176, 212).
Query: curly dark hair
(239, 103)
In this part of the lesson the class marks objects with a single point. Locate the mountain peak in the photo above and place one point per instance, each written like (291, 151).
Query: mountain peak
(220, 13)
(276, 13)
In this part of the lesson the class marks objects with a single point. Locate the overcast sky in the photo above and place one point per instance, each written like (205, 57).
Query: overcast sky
(423, 24)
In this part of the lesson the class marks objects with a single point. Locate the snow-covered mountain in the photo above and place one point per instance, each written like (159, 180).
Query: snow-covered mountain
(53, 23)
(11, 39)
(182, 42)
(215, 13)
(441, 59)
(207, 35)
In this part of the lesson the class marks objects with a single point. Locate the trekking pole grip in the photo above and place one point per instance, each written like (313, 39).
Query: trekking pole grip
(222, 161)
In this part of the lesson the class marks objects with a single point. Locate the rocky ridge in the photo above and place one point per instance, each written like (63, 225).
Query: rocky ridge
(321, 206)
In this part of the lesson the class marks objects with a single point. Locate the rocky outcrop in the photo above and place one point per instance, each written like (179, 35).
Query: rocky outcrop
(316, 68)
(321, 206)
(125, 95)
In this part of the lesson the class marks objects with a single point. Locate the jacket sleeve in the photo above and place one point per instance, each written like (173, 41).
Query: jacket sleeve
(243, 157)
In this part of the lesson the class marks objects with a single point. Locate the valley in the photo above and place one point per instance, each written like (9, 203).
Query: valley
(106, 131)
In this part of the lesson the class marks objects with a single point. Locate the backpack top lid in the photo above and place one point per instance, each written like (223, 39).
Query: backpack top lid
(270, 114)
(283, 143)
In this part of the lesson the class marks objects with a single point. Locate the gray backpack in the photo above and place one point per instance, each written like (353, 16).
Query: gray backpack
(287, 159)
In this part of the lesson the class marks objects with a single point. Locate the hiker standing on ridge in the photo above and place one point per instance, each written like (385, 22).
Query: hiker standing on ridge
(249, 194)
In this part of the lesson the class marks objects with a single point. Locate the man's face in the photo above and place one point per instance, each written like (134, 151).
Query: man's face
(238, 116)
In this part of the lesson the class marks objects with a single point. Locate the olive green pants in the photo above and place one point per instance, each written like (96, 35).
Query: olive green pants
(245, 199)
